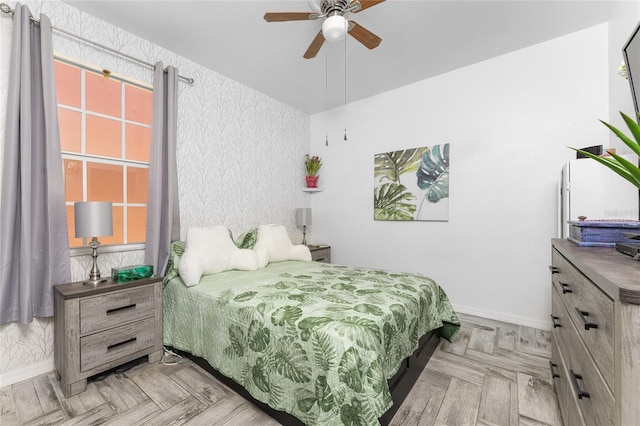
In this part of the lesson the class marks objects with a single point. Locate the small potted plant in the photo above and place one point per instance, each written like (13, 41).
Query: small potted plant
(618, 164)
(313, 165)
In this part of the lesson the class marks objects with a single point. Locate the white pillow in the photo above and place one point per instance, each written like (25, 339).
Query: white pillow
(211, 250)
(275, 240)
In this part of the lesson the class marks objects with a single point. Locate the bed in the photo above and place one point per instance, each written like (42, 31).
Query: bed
(326, 344)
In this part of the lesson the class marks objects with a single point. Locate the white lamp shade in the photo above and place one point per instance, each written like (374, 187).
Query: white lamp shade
(334, 28)
(303, 217)
(93, 219)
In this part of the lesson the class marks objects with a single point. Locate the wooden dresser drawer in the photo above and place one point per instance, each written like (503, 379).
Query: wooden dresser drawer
(591, 311)
(106, 346)
(119, 307)
(573, 359)
(594, 398)
(568, 406)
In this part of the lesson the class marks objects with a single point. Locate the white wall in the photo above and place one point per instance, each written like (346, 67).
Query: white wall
(236, 148)
(509, 121)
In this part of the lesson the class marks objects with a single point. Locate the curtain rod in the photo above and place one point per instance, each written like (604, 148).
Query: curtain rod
(5, 8)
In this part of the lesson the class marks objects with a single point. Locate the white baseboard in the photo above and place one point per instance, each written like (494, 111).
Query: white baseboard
(26, 373)
(501, 316)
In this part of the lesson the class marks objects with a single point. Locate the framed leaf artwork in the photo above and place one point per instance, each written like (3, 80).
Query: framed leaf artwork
(412, 184)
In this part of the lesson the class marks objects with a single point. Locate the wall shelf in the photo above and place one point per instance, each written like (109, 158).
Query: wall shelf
(312, 189)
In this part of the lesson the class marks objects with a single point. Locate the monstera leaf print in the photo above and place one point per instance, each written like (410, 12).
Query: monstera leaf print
(391, 165)
(393, 201)
(291, 360)
(350, 370)
(433, 174)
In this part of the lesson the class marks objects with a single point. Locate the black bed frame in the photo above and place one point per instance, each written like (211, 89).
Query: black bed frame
(400, 384)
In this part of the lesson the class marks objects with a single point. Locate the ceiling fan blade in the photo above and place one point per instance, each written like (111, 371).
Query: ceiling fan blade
(289, 16)
(366, 4)
(364, 36)
(315, 46)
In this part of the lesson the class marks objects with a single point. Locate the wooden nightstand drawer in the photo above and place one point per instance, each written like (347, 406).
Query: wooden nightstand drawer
(120, 307)
(320, 253)
(102, 348)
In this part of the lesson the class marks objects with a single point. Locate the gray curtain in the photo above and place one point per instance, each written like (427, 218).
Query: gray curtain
(163, 212)
(34, 247)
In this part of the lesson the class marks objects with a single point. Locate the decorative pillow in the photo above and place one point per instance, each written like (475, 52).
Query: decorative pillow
(175, 253)
(247, 240)
(274, 239)
(211, 250)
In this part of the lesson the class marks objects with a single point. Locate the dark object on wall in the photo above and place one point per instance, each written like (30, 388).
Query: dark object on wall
(596, 150)
(631, 54)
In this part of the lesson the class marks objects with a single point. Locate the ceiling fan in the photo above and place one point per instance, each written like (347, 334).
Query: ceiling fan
(335, 25)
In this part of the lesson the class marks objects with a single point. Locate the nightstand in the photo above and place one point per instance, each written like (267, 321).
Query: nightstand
(98, 328)
(320, 253)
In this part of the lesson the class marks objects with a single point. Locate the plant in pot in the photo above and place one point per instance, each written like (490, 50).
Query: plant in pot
(618, 164)
(312, 165)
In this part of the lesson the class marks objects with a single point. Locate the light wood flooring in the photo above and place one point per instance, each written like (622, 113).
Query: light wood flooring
(492, 374)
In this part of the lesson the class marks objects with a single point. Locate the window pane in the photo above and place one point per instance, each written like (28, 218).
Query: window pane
(136, 224)
(67, 84)
(73, 180)
(104, 182)
(137, 184)
(138, 104)
(104, 137)
(138, 142)
(102, 94)
(118, 228)
(73, 242)
(70, 130)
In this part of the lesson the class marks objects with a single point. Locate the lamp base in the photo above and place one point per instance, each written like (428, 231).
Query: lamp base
(94, 275)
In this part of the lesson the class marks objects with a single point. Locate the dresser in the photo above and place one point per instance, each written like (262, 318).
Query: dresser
(320, 253)
(596, 334)
(100, 327)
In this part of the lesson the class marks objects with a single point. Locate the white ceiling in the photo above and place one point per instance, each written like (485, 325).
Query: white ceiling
(420, 39)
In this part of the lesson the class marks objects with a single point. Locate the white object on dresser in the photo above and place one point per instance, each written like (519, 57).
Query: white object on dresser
(596, 334)
(98, 328)
(320, 253)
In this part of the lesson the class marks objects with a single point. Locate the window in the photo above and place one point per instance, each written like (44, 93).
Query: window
(105, 136)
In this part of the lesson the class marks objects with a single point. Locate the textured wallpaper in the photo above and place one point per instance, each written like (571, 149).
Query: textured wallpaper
(238, 152)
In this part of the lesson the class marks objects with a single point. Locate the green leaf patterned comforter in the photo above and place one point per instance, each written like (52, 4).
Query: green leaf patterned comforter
(318, 341)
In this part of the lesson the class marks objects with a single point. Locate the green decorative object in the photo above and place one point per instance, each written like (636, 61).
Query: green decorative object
(131, 273)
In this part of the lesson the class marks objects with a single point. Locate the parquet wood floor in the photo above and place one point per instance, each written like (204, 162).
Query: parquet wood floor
(494, 373)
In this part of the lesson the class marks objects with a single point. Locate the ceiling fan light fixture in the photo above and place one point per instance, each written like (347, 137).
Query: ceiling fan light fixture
(334, 28)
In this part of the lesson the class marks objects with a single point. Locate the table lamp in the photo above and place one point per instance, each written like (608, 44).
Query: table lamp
(93, 219)
(303, 219)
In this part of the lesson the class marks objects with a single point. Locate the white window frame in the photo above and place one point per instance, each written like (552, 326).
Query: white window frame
(68, 155)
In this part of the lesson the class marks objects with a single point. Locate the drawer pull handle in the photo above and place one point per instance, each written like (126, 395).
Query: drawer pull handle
(574, 378)
(115, 345)
(320, 259)
(565, 288)
(121, 308)
(553, 373)
(554, 269)
(553, 320)
(583, 316)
